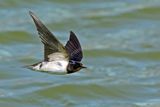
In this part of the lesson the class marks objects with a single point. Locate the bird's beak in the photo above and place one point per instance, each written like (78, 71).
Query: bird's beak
(84, 67)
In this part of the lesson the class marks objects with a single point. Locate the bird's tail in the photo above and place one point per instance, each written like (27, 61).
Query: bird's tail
(28, 66)
(31, 66)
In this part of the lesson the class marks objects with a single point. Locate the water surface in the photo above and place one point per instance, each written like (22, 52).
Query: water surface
(121, 47)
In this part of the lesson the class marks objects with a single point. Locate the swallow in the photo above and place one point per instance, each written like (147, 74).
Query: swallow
(58, 59)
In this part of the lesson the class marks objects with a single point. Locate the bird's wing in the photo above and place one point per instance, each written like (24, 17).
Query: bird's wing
(51, 44)
(74, 48)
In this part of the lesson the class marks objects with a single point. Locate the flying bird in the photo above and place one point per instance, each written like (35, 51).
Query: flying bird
(58, 59)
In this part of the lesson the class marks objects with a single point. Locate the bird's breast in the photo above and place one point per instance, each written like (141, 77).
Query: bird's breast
(53, 66)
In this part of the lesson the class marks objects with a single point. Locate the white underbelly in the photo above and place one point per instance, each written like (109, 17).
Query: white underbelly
(57, 67)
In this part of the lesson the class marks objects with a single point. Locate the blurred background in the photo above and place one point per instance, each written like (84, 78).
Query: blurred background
(121, 43)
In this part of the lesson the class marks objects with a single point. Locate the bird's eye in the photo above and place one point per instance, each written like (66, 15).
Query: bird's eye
(76, 66)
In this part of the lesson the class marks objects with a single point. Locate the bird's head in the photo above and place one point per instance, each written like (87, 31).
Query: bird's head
(74, 67)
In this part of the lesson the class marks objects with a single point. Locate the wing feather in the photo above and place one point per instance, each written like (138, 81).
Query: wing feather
(74, 48)
(51, 43)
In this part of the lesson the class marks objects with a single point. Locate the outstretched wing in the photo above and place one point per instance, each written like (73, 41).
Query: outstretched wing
(74, 48)
(51, 44)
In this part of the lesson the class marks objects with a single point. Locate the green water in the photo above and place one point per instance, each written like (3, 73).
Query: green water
(121, 43)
